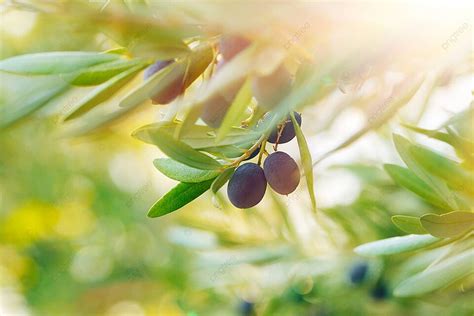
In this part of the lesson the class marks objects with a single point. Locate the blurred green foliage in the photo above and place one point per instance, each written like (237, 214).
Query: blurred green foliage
(75, 239)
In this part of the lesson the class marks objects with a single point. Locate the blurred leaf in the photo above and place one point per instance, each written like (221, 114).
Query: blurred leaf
(404, 148)
(54, 62)
(444, 137)
(225, 152)
(406, 178)
(102, 93)
(440, 275)
(463, 122)
(409, 224)
(449, 224)
(222, 179)
(235, 111)
(420, 261)
(465, 147)
(183, 173)
(444, 168)
(146, 36)
(399, 98)
(306, 160)
(178, 197)
(395, 245)
(153, 85)
(198, 137)
(21, 95)
(189, 68)
(181, 152)
(100, 73)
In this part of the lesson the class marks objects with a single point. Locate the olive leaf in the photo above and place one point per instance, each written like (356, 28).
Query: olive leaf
(235, 111)
(189, 68)
(181, 152)
(444, 137)
(449, 224)
(395, 245)
(198, 136)
(54, 62)
(306, 160)
(178, 197)
(102, 92)
(440, 275)
(222, 179)
(181, 172)
(408, 179)
(22, 95)
(444, 168)
(409, 224)
(100, 73)
(404, 148)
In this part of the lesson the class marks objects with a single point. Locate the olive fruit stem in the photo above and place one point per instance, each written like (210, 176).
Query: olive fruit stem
(257, 114)
(280, 131)
(262, 150)
(247, 154)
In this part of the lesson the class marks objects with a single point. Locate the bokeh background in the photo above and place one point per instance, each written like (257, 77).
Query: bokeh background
(74, 236)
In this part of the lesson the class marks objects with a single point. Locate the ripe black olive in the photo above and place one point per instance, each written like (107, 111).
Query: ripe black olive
(247, 186)
(281, 172)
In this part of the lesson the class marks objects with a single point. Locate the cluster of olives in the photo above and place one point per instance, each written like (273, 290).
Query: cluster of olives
(358, 274)
(248, 184)
(268, 90)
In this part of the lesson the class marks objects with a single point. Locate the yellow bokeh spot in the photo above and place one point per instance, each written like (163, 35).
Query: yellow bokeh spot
(30, 222)
(15, 264)
(75, 219)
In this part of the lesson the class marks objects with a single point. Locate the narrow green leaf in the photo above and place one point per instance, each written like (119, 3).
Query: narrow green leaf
(449, 224)
(462, 122)
(21, 95)
(54, 62)
(102, 93)
(464, 147)
(154, 85)
(98, 74)
(409, 224)
(404, 148)
(438, 276)
(198, 136)
(181, 152)
(444, 168)
(178, 197)
(395, 245)
(183, 173)
(444, 137)
(222, 179)
(391, 105)
(406, 178)
(235, 111)
(306, 160)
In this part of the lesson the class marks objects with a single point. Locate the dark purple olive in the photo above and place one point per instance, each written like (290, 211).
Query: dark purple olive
(380, 291)
(281, 172)
(231, 45)
(215, 107)
(254, 153)
(287, 130)
(172, 91)
(247, 186)
(271, 89)
(154, 68)
(246, 308)
(358, 272)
